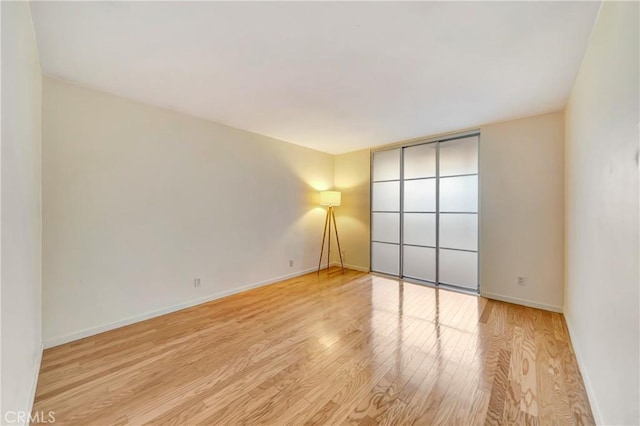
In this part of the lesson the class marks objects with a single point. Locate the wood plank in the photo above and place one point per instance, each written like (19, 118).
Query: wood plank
(529, 395)
(495, 412)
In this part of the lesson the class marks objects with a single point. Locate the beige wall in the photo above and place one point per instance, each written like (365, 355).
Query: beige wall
(138, 201)
(522, 210)
(21, 210)
(602, 239)
(352, 176)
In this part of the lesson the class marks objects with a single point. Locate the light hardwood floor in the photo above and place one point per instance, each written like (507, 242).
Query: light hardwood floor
(334, 349)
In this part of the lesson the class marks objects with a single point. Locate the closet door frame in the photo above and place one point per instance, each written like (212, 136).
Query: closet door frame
(401, 147)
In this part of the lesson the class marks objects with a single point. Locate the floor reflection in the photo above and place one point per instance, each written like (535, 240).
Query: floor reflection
(441, 323)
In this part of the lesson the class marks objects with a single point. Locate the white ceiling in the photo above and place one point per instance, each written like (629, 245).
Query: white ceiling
(334, 76)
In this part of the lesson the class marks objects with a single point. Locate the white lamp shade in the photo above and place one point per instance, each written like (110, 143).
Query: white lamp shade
(330, 198)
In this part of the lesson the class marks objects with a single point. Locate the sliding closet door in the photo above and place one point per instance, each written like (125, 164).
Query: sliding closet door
(385, 212)
(458, 213)
(419, 212)
(424, 218)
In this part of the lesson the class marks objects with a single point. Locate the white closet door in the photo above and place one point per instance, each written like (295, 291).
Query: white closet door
(385, 215)
(458, 213)
(419, 207)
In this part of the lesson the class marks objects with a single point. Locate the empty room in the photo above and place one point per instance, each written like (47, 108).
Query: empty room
(320, 213)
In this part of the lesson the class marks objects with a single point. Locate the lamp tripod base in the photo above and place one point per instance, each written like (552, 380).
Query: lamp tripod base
(329, 220)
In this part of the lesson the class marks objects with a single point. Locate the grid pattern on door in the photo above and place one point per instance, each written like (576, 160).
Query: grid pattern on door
(424, 212)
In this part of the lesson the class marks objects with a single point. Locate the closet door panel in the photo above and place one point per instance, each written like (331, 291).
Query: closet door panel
(385, 197)
(420, 229)
(420, 195)
(420, 161)
(385, 227)
(420, 263)
(459, 157)
(459, 231)
(459, 268)
(459, 194)
(385, 258)
(385, 217)
(386, 165)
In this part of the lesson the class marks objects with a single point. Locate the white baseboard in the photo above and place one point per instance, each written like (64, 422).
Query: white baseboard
(34, 379)
(348, 266)
(523, 302)
(585, 377)
(60, 340)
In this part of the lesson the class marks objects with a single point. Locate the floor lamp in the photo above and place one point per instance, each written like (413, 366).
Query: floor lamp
(330, 199)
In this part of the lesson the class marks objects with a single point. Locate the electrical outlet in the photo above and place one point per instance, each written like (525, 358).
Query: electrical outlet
(196, 282)
(291, 263)
(344, 256)
(521, 281)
